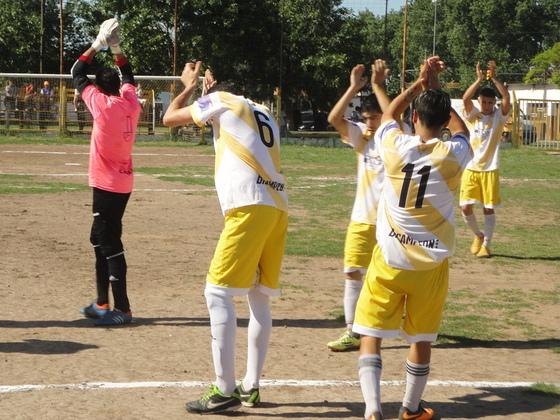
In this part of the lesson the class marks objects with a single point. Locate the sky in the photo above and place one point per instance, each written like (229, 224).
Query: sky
(375, 6)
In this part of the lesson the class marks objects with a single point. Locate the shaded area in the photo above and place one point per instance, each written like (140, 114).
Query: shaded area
(45, 347)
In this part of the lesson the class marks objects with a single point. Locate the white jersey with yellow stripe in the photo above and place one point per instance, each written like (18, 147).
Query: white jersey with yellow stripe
(246, 140)
(486, 135)
(416, 218)
(370, 173)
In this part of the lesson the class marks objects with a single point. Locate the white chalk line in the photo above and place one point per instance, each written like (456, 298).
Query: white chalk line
(39, 152)
(5, 389)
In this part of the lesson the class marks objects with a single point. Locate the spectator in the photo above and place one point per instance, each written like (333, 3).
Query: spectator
(79, 109)
(46, 101)
(10, 101)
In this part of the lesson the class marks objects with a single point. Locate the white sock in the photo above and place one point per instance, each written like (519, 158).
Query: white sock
(260, 327)
(352, 289)
(471, 222)
(370, 366)
(223, 326)
(416, 380)
(489, 225)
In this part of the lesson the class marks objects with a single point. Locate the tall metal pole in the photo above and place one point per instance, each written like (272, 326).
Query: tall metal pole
(175, 40)
(403, 67)
(385, 36)
(42, 36)
(61, 53)
(435, 21)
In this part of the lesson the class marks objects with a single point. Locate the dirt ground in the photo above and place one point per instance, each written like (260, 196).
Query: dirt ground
(149, 369)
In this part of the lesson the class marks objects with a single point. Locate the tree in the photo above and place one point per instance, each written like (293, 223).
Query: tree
(20, 36)
(546, 67)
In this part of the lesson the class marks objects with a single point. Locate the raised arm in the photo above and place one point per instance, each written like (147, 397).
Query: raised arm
(379, 73)
(108, 36)
(506, 101)
(431, 68)
(336, 116)
(471, 91)
(178, 113)
(457, 125)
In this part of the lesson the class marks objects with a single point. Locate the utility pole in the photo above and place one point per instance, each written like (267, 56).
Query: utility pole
(435, 22)
(403, 67)
(42, 36)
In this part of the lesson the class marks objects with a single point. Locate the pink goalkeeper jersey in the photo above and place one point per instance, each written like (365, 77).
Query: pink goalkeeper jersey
(114, 128)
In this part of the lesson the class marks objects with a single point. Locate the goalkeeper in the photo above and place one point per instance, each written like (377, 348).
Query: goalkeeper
(115, 110)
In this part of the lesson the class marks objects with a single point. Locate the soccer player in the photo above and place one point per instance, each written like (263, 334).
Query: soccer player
(409, 270)
(115, 110)
(248, 257)
(360, 235)
(481, 179)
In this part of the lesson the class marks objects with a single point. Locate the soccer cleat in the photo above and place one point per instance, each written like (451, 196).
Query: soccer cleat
(114, 318)
(94, 310)
(376, 416)
(421, 414)
(476, 244)
(345, 342)
(214, 402)
(484, 252)
(250, 398)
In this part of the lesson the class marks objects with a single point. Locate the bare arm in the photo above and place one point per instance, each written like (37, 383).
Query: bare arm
(178, 113)
(471, 91)
(336, 116)
(379, 73)
(457, 125)
(428, 75)
(506, 102)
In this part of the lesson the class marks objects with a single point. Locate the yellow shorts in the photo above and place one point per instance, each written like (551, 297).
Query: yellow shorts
(388, 293)
(358, 247)
(253, 240)
(481, 187)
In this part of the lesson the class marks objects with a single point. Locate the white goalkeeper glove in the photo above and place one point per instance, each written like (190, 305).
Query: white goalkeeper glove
(108, 35)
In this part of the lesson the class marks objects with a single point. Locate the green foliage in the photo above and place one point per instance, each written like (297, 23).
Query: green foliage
(546, 67)
(543, 389)
(305, 46)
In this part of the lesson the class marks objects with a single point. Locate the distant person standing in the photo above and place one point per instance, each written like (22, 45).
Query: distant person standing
(46, 98)
(79, 109)
(115, 112)
(481, 180)
(29, 100)
(11, 92)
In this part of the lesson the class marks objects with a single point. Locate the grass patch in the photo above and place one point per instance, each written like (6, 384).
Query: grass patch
(189, 175)
(321, 190)
(543, 389)
(496, 314)
(39, 187)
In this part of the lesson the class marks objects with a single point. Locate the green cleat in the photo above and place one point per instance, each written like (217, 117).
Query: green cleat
(214, 402)
(344, 343)
(250, 398)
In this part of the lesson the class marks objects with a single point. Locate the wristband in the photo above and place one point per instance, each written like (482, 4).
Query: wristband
(97, 45)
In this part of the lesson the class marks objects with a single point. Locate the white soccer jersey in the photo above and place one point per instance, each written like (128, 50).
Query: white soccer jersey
(486, 134)
(246, 140)
(370, 173)
(416, 219)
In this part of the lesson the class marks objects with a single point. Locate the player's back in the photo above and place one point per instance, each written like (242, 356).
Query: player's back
(416, 216)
